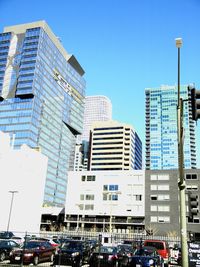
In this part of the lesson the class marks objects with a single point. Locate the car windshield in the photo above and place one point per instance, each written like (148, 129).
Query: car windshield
(72, 245)
(31, 245)
(144, 252)
(107, 250)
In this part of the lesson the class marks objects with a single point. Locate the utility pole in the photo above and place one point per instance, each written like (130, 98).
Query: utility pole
(181, 180)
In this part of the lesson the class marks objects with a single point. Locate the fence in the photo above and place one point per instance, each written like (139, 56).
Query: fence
(105, 238)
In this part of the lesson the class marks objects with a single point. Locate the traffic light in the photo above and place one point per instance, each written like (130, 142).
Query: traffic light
(192, 205)
(195, 102)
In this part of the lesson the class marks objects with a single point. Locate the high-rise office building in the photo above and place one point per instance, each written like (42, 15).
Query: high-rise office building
(161, 128)
(42, 92)
(114, 146)
(97, 108)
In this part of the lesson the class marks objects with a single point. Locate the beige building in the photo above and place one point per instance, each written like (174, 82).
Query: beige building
(114, 146)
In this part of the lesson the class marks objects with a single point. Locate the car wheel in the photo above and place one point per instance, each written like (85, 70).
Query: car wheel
(36, 260)
(2, 256)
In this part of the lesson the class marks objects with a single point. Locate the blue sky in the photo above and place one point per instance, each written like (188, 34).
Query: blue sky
(124, 46)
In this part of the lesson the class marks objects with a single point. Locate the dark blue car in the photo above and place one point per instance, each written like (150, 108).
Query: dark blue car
(146, 257)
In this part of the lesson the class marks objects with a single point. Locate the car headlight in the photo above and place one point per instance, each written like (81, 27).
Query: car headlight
(28, 254)
(151, 262)
(75, 254)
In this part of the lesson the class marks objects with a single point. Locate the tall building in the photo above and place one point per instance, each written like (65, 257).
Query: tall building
(42, 92)
(161, 128)
(114, 146)
(97, 108)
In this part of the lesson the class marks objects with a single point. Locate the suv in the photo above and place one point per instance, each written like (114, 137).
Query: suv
(73, 253)
(162, 248)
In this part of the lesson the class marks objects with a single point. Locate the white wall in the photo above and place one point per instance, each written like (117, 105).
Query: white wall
(22, 170)
(130, 183)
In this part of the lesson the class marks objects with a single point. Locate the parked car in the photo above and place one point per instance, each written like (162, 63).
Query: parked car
(6, 246)
(33, 252)
(104, 256)
(125, 252)
(6, 235)
(73, 253)
(162, 248)
(146, 257)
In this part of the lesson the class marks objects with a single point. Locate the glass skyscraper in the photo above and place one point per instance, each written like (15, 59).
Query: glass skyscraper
(42, 91)
(161, 129)
(97, 108)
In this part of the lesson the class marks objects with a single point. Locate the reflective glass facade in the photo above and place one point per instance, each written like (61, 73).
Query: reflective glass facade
(161, 129)
(41, 93)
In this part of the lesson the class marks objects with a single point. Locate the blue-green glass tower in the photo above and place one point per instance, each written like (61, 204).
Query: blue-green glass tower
(41, 99)
(161, 129)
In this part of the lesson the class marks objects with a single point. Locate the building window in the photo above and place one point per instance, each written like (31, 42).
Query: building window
(192, 187)
(105, 187)
(163, 177)
(89, 207)
(163, 219)
(163, 197)
(161, 187)
(138, 197)
(160, 219)
(153, 219)
(163, 208)
(191, 176)
(81, 197)
(154, 197)
(91, 178)
(153, 208)
(153, 177)
(83, 178)
(160, 197)
(89, 197)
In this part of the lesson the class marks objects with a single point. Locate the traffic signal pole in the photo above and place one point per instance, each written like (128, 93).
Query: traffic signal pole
(181, 180)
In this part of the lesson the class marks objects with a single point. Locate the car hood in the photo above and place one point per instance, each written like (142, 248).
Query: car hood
(70, 251)
(141, 259)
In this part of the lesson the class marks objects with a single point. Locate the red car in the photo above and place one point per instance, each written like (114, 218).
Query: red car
(33, 252)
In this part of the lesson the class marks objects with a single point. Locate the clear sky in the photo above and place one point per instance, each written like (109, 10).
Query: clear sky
(124, 46)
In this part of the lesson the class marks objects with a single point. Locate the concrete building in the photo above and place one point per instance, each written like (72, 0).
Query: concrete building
(111, 200)
(161, 129)
(42, 92)
(114, 146)
(96, 108)
(162, 201)
(22, 171)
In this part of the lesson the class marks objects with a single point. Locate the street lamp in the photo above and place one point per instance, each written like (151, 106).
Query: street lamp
(111, 194)
(77, 224)
(181, 181)
(11, 204)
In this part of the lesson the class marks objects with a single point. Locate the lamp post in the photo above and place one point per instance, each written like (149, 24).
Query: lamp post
(110, 194)
(181, 181)
(11, 204)
(77, 224)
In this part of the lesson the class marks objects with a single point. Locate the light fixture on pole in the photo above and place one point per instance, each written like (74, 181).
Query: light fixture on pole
(77, 224)
(181, 180)
(11, 205)
(111, 194)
